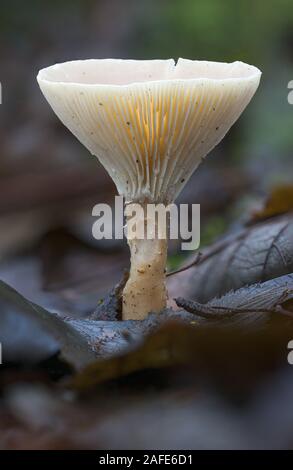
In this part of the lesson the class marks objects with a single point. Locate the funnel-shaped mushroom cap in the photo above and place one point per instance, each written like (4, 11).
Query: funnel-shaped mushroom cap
(150, 123)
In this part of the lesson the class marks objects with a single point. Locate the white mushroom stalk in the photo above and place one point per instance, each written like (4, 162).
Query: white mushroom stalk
(150, 123)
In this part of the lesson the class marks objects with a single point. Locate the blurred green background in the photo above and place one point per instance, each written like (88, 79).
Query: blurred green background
(48, 181)
(35, 33)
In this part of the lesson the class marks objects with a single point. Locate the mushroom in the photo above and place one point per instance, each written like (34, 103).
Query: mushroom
(150, 123)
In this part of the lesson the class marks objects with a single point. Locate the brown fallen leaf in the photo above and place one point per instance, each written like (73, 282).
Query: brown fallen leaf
(30, 334)
(227, 388)
(280, 201)
(110, 338)
(176, 343)
(170, 345)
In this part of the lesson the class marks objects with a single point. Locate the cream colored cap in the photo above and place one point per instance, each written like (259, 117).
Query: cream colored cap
(150, 122)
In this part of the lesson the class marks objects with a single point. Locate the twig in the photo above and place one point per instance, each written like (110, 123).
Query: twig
(209, 252)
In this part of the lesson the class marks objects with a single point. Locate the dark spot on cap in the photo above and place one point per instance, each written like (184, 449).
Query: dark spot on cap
(217, 128)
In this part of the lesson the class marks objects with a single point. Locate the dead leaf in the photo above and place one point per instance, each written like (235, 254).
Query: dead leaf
(110, 338)
(212, 348)
(280, 201)
(247, 305)
(30, 333)
(23, 340)
(110, 308)
(165, 347)
(261, 252)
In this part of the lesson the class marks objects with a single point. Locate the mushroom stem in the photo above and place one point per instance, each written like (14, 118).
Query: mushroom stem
(145, 290)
